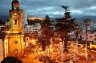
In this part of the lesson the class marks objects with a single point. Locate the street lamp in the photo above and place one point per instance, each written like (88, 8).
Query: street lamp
(61, 51)
(86, 25)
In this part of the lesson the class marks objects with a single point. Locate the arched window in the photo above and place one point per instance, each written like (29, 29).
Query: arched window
(15, 21)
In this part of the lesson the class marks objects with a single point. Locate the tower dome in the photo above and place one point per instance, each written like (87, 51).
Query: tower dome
(15, 5)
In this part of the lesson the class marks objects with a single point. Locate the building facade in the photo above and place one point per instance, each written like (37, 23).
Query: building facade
(1, 50)
(91, 37)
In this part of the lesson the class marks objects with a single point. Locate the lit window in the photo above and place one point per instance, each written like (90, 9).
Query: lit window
(16, 51)
(15, 14)
(27, 39)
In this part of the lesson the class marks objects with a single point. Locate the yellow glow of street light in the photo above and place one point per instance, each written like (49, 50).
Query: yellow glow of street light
(85, 49)
(33, 41)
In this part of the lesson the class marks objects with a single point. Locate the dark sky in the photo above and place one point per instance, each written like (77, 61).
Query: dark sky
(79, 8)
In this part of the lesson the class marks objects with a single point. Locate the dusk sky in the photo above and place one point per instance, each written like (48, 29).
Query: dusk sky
(79, 8)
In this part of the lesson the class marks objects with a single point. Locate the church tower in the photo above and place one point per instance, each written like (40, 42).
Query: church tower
(13, 41)
(16, 18)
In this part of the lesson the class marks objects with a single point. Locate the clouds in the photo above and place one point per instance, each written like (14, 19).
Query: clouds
(52, 7)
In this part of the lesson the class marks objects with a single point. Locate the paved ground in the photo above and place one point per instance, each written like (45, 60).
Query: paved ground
(30, 58)
(90, 60)
(86, 61)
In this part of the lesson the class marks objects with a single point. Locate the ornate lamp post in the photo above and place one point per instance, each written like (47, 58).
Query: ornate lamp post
(86, 25)
(76, 42)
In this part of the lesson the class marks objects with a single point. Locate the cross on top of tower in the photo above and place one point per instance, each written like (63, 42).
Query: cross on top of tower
(15, 1)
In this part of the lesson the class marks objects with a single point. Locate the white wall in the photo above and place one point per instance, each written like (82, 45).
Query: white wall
(32, 28)
(1, 50)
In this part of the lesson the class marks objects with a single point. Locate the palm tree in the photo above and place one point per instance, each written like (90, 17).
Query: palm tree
(64, 26)
(46, 33)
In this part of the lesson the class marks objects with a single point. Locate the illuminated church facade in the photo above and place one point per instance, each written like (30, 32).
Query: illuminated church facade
(14, 39)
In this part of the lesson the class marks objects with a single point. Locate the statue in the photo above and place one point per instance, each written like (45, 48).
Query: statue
(65, 7)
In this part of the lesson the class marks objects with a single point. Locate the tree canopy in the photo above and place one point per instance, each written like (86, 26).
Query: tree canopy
(11, 59)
